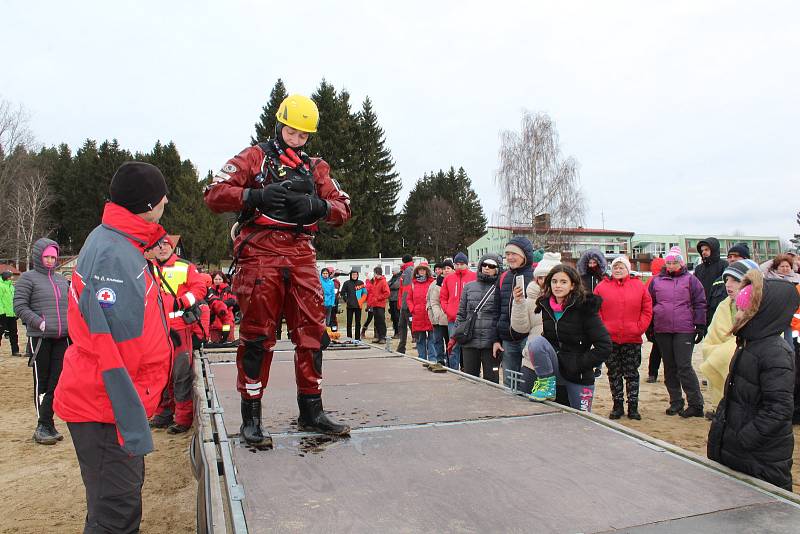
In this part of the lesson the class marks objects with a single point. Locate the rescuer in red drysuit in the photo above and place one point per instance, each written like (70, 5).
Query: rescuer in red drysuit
(182, 288)
(280, 193)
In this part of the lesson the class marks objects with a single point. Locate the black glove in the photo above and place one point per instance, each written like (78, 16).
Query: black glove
(699, 333)
(306, 209)
(271, 198)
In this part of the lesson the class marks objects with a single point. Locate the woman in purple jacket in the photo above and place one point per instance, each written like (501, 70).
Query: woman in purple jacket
(679, 323)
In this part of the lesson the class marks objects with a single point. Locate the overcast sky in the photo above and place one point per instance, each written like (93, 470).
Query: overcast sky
(684, 115)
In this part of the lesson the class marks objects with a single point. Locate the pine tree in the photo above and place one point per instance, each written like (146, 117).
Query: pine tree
(378, 187)
(265, 127)
(335, 143)
(796, 240)
(442, 203)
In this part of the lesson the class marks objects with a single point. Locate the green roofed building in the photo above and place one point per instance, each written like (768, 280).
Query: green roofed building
(762, 248)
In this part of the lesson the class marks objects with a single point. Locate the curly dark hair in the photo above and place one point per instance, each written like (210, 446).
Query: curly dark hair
(220, 273)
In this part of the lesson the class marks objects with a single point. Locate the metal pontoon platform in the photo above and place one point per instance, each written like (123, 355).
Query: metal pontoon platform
(450, 453)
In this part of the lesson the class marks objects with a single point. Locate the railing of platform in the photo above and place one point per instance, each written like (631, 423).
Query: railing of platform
(219, 499)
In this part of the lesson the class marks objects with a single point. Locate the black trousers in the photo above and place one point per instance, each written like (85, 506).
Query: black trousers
(679, 375)
(474, 359)
(8, 325)
(402, 330)
(112, 478)
(47, 361)
(655, 360)
(354, 313)
(624, 364)
(394, 315)
(379, 314)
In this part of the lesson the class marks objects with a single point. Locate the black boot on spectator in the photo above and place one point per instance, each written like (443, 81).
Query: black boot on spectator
(161, 420)
(617, 410)
(675, 408)
(633, 411)
(42, 435)
(313, 418)
(692, 411)
(251, 429)
(55, 433)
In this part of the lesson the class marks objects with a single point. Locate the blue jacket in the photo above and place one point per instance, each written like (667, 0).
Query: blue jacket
(328, 291)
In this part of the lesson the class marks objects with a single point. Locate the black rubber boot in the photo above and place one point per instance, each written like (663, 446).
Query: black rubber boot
(251, 429)
(633, 411)
(313, 418)
(617, 410)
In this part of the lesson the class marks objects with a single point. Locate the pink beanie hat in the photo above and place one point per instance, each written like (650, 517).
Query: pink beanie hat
(675, 254)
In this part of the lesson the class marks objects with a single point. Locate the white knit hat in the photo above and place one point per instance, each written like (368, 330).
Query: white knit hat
(623, 259)
(549, 260)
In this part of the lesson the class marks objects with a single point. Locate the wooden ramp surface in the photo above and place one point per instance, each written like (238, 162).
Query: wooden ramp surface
(441, 453)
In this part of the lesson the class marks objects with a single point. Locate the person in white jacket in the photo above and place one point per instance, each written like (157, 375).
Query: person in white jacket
(523, 318)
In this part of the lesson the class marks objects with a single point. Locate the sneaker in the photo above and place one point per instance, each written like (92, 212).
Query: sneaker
(175, 428)
(692, 411)
(544, 388)
(652, 379)
(437, 368)
(42, 435)
(710, 414)
(55, 433)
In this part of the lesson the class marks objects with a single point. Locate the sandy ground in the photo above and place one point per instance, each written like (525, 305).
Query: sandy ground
(29, 471)
(40, 486)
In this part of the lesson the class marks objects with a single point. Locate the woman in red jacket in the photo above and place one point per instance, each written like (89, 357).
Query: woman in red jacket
(421, 327)
(626, 312)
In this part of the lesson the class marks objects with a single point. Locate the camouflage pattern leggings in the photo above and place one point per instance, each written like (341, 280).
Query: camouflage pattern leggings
(624, 363)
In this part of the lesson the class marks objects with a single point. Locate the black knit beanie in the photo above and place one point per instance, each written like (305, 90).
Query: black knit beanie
(138, 187)
(741, 249)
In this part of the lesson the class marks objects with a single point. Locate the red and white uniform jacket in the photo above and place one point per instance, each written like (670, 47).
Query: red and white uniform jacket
(120, 359)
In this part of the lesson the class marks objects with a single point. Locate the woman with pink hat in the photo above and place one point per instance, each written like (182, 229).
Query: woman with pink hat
(679, 323)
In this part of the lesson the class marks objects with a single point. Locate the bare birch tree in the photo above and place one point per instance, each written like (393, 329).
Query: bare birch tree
(539, 188)
(27, 209)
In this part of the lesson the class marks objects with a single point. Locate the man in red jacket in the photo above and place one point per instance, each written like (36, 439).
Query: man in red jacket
(119, 360)
(450, 296)
(182, 289)
(377, 296)
(281, 194)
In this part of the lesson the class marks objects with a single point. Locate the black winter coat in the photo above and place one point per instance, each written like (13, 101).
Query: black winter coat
(752, 429)
(485, 322)
(711, 268)
(348, 292)
(579, 337)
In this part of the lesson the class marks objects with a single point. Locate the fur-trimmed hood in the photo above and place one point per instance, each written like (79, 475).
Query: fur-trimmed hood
(772, 305)
(592, 254)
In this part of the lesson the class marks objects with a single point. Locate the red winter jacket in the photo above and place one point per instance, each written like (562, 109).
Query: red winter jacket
(452, 288)
(186, 283)
(377, 292)
(626, 309)
(418, 306)
(120, 359)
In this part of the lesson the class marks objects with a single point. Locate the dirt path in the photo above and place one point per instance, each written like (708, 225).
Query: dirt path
(41, 488)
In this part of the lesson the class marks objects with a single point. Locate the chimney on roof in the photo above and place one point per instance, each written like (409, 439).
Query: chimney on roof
(541, 223)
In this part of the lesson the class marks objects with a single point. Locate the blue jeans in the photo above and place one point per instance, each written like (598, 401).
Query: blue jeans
(440, 339)
(512, 357)
(424, 341)
(454, 362)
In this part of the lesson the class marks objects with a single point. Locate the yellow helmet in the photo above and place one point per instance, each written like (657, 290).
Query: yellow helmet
(299, 112)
